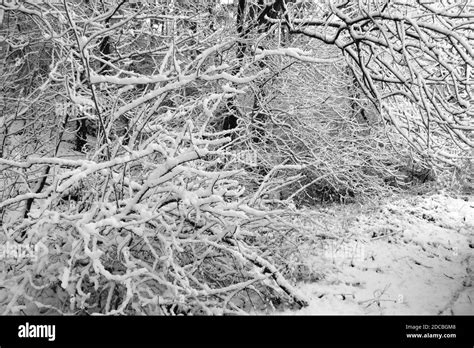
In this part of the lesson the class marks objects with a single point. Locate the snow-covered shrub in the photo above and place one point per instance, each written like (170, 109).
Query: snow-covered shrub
(142, 219)
(170, 238)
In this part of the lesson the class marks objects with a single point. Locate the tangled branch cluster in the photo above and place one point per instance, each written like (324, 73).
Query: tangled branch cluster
(138, 218)
(413, 59)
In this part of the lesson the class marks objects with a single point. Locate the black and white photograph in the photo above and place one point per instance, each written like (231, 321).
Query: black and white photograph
(269, 158)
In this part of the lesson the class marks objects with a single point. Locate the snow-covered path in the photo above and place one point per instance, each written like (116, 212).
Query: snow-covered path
(410, 256)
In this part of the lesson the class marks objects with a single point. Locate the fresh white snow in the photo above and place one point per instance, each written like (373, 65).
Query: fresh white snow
(411, 256)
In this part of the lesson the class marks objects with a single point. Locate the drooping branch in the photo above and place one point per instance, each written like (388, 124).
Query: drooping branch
(410, 56)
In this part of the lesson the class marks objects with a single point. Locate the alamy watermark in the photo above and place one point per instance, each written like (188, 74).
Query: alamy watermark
(334, 249)
(344, 251)
(247, 157)
(18, 252)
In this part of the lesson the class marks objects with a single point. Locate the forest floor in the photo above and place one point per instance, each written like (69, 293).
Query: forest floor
(406, 255)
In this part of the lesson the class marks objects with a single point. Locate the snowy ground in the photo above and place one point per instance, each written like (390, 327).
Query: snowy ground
(413, 255)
